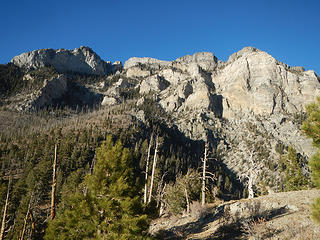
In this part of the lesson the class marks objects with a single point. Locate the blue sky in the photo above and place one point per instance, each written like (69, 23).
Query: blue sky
(117, 30)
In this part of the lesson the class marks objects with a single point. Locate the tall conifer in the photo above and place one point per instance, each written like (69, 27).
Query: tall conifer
(311, 127)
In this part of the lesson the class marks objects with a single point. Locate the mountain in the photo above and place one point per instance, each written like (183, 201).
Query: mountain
(252, 100)
(247, 112)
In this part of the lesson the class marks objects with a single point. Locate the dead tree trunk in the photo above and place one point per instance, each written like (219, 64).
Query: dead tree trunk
(253, 174)
(162, 205)
(3, 223)
(54, 183)
(25, 220)
(153, 168)
(147, 171)
(250, 185)
(203, 190)
(187, 200)
(161, 189)
(33, 224)
(93, 163)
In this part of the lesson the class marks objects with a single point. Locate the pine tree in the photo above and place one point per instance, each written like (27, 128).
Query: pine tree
(79, 221)
(294, 179)
(111, 206)
(311, 127)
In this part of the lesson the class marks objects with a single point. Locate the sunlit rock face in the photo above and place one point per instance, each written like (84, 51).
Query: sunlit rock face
(253, 81)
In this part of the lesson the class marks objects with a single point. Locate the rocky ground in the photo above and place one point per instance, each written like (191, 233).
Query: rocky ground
(283, 215)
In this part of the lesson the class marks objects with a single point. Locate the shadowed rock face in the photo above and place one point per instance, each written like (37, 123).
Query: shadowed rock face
(57, 91)
(80, 60)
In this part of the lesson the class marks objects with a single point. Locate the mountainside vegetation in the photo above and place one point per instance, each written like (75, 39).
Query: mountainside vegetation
(27, 152)
(13, 79)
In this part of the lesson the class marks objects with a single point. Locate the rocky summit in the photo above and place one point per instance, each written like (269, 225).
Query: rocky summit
(80, 60)
(250, 102)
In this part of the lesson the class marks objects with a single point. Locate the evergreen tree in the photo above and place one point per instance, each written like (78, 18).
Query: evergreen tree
(110, 206)
(311, 127)
(79, 221)
(294, 179)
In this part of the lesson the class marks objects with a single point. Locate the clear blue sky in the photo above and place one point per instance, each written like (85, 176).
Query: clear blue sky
(117, 30)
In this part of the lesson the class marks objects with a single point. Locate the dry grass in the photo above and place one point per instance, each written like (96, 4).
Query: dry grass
(198, 211)
(300, 229)
(256, 229)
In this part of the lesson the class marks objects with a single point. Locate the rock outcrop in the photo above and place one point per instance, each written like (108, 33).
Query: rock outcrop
(206, 60)
(80, 60)
(51, 90)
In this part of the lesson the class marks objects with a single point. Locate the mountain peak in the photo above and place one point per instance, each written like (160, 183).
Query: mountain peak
(243, 53)
(80, 60)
